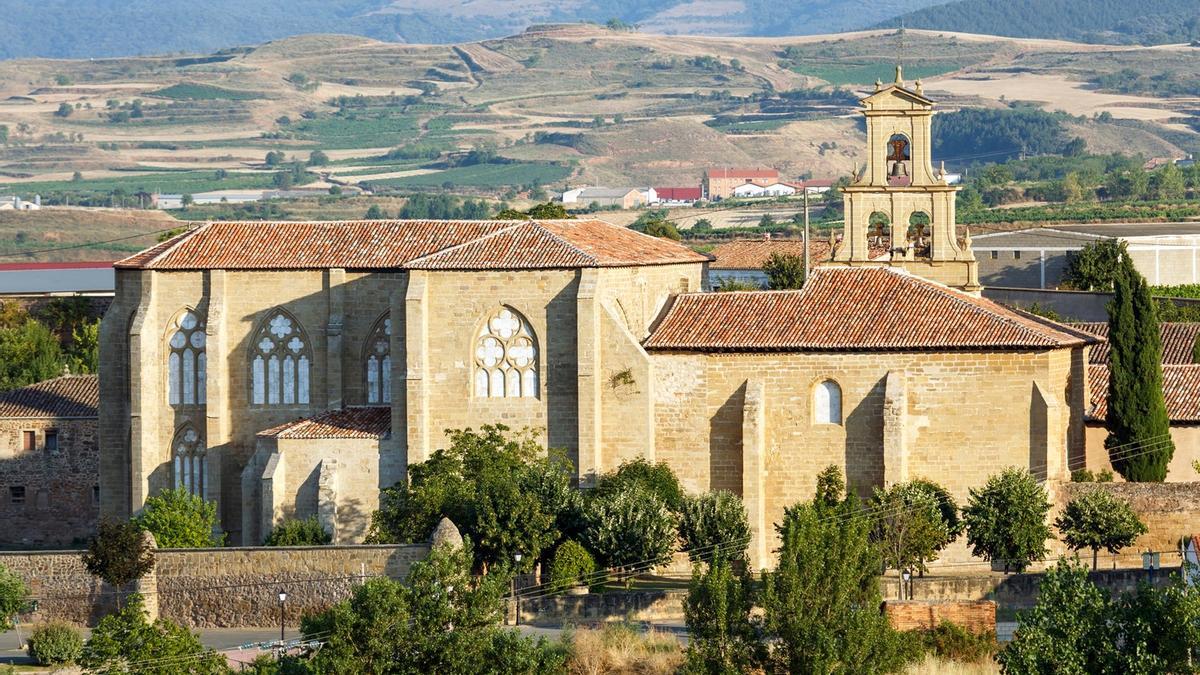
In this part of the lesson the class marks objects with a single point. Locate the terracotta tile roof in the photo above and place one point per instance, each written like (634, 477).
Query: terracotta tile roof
(1181, 391)
(1177, 341)
(854, 309)
(750, 254)
(394, 244)
(66, 396)
(678, 194)
(356, 422)
(549, 244)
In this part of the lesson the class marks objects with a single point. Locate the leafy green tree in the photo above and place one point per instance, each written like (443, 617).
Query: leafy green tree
(767, 222)
(629, 529)
(187, 200)
(1095, 266)
(714, 525)
(722, 636)
(29, 353)
(511, 214)
(658, 479)
(119, 553)
(275, 158)
(375, 212)
(306, 532)
(548, 211)
(14, 596)
(55, 643)
(1139, 439)
(318, 158)
(728, 285)
(1160, 628)
(663, 230)
(572, 565)
(1167, 183)
(1006, 520)
(1068, 631)
(1072, 190)
(908, 526)
(64, 110)
(822, 603)
(702, 225)
(125, 642)
(1096, 519)
(180, 519)
(441, 619)
(830, 486)
(784, 271)
(500, 489)
(1131, 184)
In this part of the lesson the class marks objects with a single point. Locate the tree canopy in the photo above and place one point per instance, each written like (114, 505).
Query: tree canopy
(1006, 520)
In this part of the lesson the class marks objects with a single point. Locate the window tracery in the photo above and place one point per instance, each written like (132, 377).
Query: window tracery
(279, 371)
(378, 362)
(188, 452)
(186, 361)
(506, 357)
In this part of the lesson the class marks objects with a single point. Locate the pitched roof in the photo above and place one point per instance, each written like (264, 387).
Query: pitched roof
(1178, 340)
(854, 309)
(679, 194)
(1181, 391)
(357, 422)
(66, 396)
(747, 254)
(550, 244)
(603, 192)
(393, 244)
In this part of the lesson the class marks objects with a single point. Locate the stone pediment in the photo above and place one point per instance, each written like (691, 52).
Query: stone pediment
(896, 97)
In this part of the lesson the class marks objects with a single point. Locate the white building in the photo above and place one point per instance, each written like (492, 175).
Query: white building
(14, 203)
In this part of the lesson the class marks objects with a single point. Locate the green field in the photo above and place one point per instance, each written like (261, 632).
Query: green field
(170, 182)
(204, 92)
(351, 131)
(484, 175)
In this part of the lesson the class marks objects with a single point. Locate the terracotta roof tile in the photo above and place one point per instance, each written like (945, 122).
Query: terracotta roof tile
(357, 422)
(751, 254)
(853, 309)
(1181, 391)
(66, 396)
(1178, 340)
(397, 243)
(739, 172)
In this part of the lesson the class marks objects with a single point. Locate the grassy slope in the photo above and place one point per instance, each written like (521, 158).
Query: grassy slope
(22, 232)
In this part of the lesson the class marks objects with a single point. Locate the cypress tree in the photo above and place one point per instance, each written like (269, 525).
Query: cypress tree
(1138, 426)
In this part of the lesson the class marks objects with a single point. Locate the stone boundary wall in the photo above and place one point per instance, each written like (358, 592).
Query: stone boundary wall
(1170, 511)
(218, 587)
(977, 616)
(600, 607)
(1016, 590)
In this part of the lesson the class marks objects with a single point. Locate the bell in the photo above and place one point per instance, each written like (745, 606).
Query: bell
(898, 170)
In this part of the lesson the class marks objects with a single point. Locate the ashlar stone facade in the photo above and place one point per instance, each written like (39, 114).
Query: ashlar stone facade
(334, 355)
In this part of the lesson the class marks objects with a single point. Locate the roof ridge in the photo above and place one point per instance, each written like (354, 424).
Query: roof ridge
(178, 239)
(470, 242)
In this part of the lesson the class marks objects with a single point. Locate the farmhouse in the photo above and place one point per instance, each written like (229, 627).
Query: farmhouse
(295, 369)
(719, 182)
(621, 198)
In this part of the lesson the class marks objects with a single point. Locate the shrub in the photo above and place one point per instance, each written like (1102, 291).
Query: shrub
(161, 647)
(954, 642)
(1088, 476)
(13, 596)
(713, 525)
(621, 648)
(307, 532)
(53, 643)
(180, 519)
(572, 565)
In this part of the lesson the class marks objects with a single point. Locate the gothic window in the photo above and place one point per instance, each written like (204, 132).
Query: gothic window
(279, 368)
(506, 357)
(827, 403)
(898, 156)
(378, 362)
(186, 361)
(188, 452)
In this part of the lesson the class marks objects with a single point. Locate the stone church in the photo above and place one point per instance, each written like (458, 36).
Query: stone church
(341, 352)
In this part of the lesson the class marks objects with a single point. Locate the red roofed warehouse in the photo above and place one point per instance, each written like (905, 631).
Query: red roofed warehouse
(719, 182)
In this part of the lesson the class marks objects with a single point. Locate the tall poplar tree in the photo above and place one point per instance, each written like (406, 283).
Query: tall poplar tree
(1139, 440)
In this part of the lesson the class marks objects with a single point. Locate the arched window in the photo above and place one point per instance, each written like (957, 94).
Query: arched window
(920, 235)
(827, 403)
(898, 156)
(378, 362)
(188, 452)
(879, 227)
(186, 361)
(506, 357)
(280, 365)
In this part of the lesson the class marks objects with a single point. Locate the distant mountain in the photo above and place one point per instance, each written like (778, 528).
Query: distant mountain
(99, 28)
(1102, 21)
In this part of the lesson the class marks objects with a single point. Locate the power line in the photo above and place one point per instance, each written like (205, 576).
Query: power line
(86, 244)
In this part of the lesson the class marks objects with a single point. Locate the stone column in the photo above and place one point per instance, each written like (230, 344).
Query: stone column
(217, 431)
(587, 303)
(416, 330)
(327, 497)
(147, 586)
(146, 404)
(754, 470)
(335, 280)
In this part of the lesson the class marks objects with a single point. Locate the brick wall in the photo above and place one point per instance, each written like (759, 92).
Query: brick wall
(223, 587)
(977, 616)
(58, 507)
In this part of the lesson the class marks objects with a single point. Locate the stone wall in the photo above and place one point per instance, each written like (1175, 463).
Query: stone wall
(223, 587)
(1015, 590)
(1169, 510)
(1180, 470)
(561, 610)
(977, 616)
(59, 504)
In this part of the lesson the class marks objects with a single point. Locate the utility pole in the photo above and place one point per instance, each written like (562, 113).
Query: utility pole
(805, 188)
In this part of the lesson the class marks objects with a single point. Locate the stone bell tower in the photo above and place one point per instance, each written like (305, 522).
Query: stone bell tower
(898, 200)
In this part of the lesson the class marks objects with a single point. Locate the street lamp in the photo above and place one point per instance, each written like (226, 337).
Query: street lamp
(907, 577)
(282, 599)
(516, 602)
